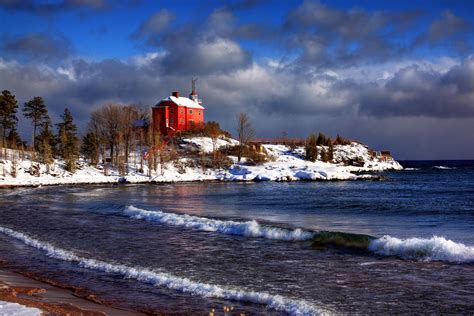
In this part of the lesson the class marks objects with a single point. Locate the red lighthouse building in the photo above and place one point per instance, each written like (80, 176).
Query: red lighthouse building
(176, 113)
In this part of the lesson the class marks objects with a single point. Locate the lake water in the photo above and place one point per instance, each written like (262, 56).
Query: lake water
(135, 247)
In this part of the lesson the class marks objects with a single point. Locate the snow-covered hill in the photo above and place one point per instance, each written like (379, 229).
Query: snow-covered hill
(285, 165)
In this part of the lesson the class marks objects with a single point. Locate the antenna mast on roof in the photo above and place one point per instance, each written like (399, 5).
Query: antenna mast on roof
(193, 80)
(194, 96)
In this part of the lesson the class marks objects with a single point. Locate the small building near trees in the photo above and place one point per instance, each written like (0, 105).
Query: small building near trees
(177, 113)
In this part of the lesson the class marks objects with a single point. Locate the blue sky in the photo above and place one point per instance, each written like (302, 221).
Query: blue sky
(393, 74)
(105, 33)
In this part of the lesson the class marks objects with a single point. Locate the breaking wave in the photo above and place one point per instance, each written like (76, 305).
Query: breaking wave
(425, 249)
(162, 279)
(443, 168)
(248, 228)
(342, 240)
(432, 249)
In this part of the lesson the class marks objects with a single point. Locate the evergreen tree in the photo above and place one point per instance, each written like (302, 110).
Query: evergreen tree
(36, 110)
(322, 139)
(90, 148)
(14, 139)
(68, 140)
(330, 151)
(8, 108)
(328, 141)
(45, 142)
(311, 148)
(324, 155)
(341, 140)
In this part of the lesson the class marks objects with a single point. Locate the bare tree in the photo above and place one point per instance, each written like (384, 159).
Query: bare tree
(129, 116)
(213, 130)
(245, 133)
(107, 122)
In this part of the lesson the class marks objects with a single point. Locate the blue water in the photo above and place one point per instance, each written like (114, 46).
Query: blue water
(429, 198)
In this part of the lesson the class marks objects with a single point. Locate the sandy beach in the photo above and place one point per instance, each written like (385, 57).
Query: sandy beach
(53, 300)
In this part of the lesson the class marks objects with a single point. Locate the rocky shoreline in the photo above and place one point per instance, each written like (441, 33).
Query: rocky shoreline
(285, 164)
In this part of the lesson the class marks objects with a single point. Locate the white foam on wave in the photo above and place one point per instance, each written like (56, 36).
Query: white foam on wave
(444, 167)
(432, 249)
(248, 228)
(411, 169)
(162, 279)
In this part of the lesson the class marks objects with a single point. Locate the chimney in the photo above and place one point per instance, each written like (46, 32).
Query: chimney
(176, 94)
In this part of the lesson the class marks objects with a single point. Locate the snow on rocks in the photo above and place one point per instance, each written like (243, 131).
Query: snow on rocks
(360, 152)
(285, 165)
(206, 144)
(289, 166)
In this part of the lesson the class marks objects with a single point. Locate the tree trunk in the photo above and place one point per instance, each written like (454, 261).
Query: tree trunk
(4, 150)
(4, 145)
(127, 150)
(111, 152)
(4, 133)
(34, 135)
(239, 156)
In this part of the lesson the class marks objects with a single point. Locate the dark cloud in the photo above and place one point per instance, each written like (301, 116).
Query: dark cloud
(378, 113)
(223, 23)
(194, 48)
(326, 37)
(38, 46)
(417, 92)
(203, 56)
(155, 25)
(352, 24)
(447, 27)
(449, 30)
(45, 7)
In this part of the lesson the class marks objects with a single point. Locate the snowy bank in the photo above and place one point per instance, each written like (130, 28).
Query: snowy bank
(285, 164)
(7, 308)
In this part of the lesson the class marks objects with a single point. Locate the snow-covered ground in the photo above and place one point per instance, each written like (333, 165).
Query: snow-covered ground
(284, 165)
(206, 144)
(7, 308)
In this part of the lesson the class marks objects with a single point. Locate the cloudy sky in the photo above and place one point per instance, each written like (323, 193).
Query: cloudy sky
(397, 75)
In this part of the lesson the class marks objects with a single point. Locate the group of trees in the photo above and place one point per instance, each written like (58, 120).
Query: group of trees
(326, 147)
(8, 120)
(115, 131)
(45, 142)
(64, 143)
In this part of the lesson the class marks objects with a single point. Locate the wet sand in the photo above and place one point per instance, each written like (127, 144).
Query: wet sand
(53, 300)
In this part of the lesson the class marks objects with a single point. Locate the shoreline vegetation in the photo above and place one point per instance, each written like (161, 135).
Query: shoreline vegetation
(193, 161)
(123, 145)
